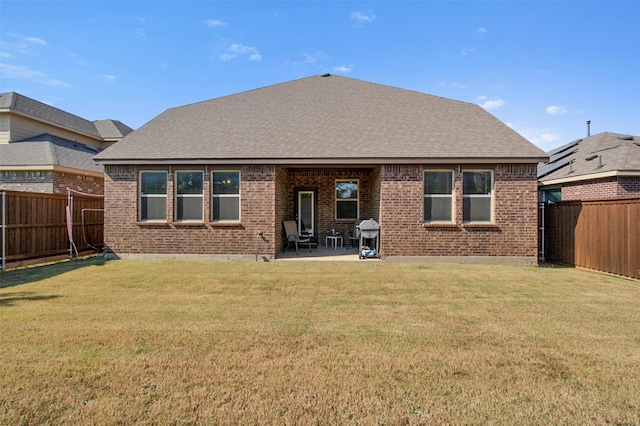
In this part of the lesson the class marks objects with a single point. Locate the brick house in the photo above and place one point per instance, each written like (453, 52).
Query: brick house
(445, 179)
(45, 149)
(606, 165)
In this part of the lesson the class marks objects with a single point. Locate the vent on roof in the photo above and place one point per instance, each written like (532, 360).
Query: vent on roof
(591, 157)
(326, 75)
(625, 137)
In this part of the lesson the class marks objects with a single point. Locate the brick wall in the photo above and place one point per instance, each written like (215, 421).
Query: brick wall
(53, 183)
(391, 194)
(513, 233)
(81, 183)
(323, 181)
(612, 187)
(125, 235)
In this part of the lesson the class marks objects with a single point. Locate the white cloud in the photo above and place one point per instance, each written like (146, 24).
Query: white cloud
(36, 40)
(227, 56)
(236, 50)
(556, 110)
(8, 71)
(343, 68)
(108, 77)
(481, 31)
(312, 58)
(212, 23)
(19, 72)
(18, 44)
(363, 18)
(491, 103)
(467, 51)
(542, 138)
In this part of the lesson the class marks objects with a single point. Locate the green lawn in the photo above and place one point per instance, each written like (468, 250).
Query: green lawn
(195, 342)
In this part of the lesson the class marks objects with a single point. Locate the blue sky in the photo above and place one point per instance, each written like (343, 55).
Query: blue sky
(542, 67)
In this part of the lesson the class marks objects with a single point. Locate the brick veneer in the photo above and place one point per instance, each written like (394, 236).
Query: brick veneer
(392, 194)
(125, 235)
(57, 183)
(513, 233)
(612, 187)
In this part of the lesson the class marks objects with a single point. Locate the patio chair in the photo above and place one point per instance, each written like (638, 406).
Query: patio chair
(353, 237)
(291, 231)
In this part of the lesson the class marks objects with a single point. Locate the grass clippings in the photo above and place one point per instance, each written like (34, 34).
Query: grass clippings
(194, 342)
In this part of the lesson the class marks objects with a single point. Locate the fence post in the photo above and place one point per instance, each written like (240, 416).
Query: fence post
(3, 225)
(70, 225)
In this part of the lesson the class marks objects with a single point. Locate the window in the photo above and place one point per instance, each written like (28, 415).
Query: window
(189, 195)
(153, 196)
(225, 196)
(347, 199)
(438, 196)
(477, 188)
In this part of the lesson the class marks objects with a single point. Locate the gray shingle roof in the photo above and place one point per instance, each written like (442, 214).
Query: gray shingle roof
(112, 129)
(49, 150)
(601, 153)
(323, 119)
(101, 129)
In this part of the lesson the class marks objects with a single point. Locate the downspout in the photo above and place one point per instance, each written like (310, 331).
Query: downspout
(542, 203)
(3, 225)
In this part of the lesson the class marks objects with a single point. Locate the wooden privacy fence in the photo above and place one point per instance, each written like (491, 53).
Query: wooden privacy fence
(34, 226)
(603, 235)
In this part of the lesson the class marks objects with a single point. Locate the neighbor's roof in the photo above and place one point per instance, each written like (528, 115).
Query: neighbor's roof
(323, 120)
(602, 155)
(100, 129)
(48, 151)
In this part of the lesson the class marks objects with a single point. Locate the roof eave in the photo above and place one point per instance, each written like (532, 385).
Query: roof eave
(591, 176)
(322, 161)
(52, 168)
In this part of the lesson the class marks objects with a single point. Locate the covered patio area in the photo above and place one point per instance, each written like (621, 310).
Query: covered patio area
(321, 253)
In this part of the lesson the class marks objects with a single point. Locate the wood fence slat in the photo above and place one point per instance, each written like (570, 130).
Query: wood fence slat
(36, 226)
(603, 235)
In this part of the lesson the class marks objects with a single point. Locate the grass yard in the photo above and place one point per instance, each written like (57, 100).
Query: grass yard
(375, 343)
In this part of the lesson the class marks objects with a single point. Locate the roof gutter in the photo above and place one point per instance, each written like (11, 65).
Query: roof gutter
(51, 168)
(322, 161)
(612, 173)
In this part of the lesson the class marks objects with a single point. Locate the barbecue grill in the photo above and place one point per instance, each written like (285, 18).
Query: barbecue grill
(369, 244)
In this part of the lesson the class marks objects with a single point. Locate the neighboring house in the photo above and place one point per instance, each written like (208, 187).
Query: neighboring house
(45, 149)
(444, 179)
(606, 165)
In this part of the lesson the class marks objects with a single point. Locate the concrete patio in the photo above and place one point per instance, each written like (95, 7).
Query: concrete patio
(321, 252)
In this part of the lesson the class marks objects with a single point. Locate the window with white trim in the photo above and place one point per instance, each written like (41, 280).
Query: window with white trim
(477, 198)
(347, 199)
(189, 196)
(225, 196)
(152, 203)
(438, 196)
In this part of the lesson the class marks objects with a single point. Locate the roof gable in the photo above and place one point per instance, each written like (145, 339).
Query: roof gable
(324, 119)
(100, 129)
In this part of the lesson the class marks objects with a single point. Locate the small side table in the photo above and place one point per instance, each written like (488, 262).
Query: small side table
(334, 241)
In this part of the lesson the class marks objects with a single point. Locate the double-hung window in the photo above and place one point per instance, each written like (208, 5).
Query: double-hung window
(189, 196)
(225, 196)
(153, 196)
(477, 189)
(438, 196)
(347, 201)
